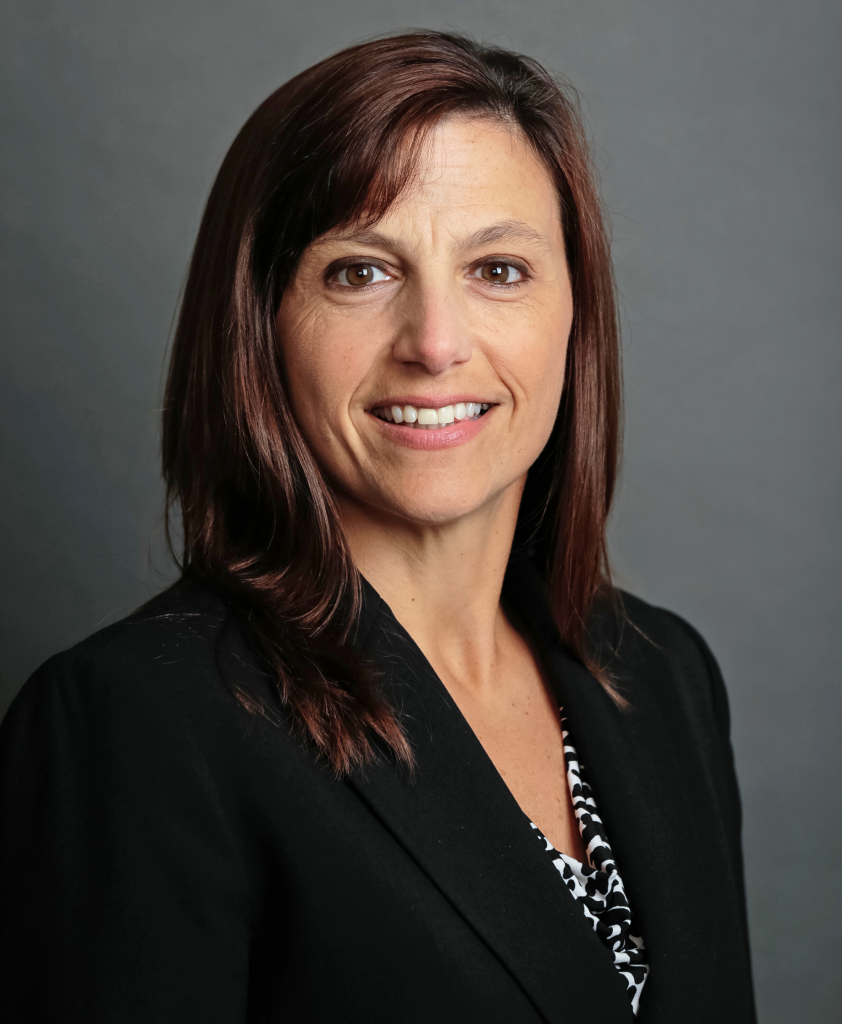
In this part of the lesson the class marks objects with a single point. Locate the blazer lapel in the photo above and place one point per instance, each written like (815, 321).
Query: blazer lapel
(660, 815)
(458, 821)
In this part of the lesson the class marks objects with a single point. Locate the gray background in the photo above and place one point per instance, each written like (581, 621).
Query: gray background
(717, 129)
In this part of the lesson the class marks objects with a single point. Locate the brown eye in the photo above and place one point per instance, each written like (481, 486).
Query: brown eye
(499, 273)
(360, 274)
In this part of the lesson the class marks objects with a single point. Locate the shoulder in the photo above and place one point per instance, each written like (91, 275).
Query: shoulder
(652, 654)
(123, 762)
(161, 668)
(172, 636)
(629, 620)
(137, 730)
(644, 645)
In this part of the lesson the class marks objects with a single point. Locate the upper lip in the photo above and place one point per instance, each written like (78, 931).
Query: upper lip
(429, 401)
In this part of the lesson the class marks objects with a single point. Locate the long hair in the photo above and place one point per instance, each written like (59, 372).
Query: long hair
(337, 144)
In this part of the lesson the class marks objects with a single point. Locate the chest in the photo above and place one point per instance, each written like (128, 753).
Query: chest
(429, 897)
(518, 725)
(418, 900)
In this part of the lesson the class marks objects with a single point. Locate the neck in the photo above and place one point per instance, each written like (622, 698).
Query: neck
(442, 582)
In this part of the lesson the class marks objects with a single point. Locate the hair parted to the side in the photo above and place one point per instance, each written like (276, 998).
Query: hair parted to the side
(338, 144)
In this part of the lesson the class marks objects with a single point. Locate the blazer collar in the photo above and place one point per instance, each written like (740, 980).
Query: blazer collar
(458, 821)
(660, 811)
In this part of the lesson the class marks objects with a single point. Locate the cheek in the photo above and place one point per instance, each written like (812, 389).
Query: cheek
(533, 351)
(321, 362)
(550, 361)
(545, 386)
(551, 382)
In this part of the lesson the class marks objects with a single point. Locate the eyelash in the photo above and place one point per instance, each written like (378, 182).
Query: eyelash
(349, 266)
(507, 285)
(335, 271)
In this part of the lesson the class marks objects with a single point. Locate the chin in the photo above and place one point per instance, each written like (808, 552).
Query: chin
(431, 502)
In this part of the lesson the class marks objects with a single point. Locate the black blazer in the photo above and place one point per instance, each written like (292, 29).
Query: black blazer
(167, 857)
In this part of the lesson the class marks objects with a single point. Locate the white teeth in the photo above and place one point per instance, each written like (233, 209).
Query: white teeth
(426, 418)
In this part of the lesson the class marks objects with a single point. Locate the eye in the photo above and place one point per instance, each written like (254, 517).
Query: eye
(498, 272)
(358, 275)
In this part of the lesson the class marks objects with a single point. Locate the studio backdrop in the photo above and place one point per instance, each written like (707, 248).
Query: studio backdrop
(716, 130)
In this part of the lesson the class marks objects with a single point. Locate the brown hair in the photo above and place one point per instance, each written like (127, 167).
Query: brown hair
(334, 145)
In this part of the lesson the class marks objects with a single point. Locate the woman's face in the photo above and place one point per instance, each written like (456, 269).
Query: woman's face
(425, 354)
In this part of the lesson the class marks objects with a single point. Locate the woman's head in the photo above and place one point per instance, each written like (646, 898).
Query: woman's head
(411, 221)
(455, 302)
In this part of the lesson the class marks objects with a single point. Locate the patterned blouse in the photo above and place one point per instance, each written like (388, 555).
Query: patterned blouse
(597, 886)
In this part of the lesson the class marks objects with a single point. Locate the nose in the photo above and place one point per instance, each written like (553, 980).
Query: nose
(433, 333)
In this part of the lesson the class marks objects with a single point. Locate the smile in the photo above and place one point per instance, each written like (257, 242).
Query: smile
(423, 418)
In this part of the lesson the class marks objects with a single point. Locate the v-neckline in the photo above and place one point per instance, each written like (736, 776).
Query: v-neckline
(460, 823)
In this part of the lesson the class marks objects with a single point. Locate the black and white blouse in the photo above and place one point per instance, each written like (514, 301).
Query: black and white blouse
(597, 885)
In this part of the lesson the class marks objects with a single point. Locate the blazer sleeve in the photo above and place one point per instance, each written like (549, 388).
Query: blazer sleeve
(732, 804)
(122, 893)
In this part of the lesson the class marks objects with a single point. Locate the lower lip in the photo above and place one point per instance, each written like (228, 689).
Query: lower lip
(433, 440)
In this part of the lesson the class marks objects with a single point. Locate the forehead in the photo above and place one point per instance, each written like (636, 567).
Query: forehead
(478, 167)
(461, 142)
(469, 177)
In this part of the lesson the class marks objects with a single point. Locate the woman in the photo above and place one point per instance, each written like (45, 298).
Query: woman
(333, 774)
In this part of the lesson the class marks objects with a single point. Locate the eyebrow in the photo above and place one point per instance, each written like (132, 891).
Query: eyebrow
(516, 230)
